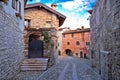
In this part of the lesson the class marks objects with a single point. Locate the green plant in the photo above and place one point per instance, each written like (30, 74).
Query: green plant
(47, 38)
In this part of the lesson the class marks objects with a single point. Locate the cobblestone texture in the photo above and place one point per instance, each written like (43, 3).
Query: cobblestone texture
(68, 68)
(105, 39)
(11, 46)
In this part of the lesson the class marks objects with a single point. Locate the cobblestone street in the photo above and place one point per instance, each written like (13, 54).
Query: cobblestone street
(68, 68)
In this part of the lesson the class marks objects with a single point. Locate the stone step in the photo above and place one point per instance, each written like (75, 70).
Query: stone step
(34, 64)
(40, 64)
(26, 68)
(36, 60)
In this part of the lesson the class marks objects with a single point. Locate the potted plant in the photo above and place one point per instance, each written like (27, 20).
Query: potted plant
(18, 15)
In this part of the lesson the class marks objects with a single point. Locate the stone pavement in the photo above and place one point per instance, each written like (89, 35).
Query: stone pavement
(68, 68)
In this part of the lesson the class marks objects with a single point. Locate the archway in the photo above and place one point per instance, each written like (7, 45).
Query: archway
(35, 49)
(81, 54)
(68, 52)
(59, 53)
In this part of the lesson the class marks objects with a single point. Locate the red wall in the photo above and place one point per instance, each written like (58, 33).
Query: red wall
(82, 37)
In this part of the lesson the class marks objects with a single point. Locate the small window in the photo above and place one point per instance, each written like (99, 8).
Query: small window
(87, 43)
(77, 43)
(48, 24)
(27, 22)
(68, 43)
(72, 35)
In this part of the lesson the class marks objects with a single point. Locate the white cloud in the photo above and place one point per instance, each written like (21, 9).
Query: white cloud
(74, 19)
(74, 23)
(71, 5)
(48, 4)
(68, 5)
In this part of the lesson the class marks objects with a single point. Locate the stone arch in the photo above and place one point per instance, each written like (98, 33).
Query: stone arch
(68, 52)
(27, 35)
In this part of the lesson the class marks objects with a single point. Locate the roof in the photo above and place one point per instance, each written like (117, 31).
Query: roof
(60, 16)
(76, 31)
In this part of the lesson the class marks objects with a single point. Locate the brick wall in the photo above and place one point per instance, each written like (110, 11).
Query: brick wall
(11, 46)
(105, 38)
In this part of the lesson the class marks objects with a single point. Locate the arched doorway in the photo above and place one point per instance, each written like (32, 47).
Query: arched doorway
(35, 49)
(81, 54)
(59, 53)
(68, 52)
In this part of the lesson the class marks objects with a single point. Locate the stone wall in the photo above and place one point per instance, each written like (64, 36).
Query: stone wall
(11, 46)
(39, 17)
(105, 38)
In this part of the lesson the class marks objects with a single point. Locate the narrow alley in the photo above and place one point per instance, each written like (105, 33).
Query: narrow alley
(68, 68)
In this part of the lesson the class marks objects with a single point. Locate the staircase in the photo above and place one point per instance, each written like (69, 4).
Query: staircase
(34, 64)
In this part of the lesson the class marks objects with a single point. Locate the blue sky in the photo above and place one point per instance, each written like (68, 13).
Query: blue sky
(76, 11)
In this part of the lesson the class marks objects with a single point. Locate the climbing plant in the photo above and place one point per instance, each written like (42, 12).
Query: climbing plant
(47, 37)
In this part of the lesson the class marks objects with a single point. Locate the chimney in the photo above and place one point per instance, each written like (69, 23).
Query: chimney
(82, 28)
(54, 6)
(90, 11)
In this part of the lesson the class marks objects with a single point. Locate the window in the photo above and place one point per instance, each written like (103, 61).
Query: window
(64, 35)
(68, 43)
(77, 43)
(14, 4)
(72, 35)
(87, 43)
(19, 7)
(48, 24)
(27, 22)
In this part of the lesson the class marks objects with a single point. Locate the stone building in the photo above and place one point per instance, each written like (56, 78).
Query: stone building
(105, 39)
(42, 23)
(11, 43)
(76, 42)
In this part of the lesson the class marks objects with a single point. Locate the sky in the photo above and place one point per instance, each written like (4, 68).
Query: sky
(76, 11)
